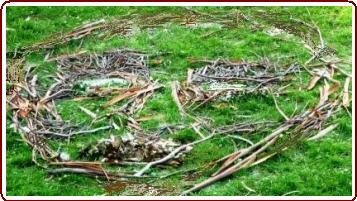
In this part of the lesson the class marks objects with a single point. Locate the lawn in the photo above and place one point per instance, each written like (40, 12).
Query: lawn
(311, 168)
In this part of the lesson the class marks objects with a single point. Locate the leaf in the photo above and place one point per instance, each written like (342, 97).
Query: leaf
(24, 108)
(334, 87)
(318, 74)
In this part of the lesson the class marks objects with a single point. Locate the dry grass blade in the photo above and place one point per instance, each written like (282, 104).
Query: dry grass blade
(247, 187)
(88, 112)
(196, 128)
(278, 108)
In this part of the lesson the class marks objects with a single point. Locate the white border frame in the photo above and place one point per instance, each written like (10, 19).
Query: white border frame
(173, 197)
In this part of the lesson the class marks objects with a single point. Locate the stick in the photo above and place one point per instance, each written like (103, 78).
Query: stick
(74, 133)
(130, 93)
(92, 172)
(208, 99)
(172, 154)
(230, 160)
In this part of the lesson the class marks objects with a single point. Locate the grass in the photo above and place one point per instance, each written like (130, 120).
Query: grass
(312, 168)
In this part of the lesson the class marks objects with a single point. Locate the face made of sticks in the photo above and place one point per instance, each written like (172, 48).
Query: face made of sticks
(123, 76)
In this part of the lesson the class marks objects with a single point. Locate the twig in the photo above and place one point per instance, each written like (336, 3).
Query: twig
(208, 99)
(92, 172)
(75, 170)
(173, 154)
(74, 133)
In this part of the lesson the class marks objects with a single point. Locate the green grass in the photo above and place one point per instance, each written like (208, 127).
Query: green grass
(312, 168)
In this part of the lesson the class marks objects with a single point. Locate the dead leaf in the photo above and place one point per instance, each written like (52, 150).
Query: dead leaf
(313, 82)
(345, 97)
(318, 74)
(175, 87)
(334, 87)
